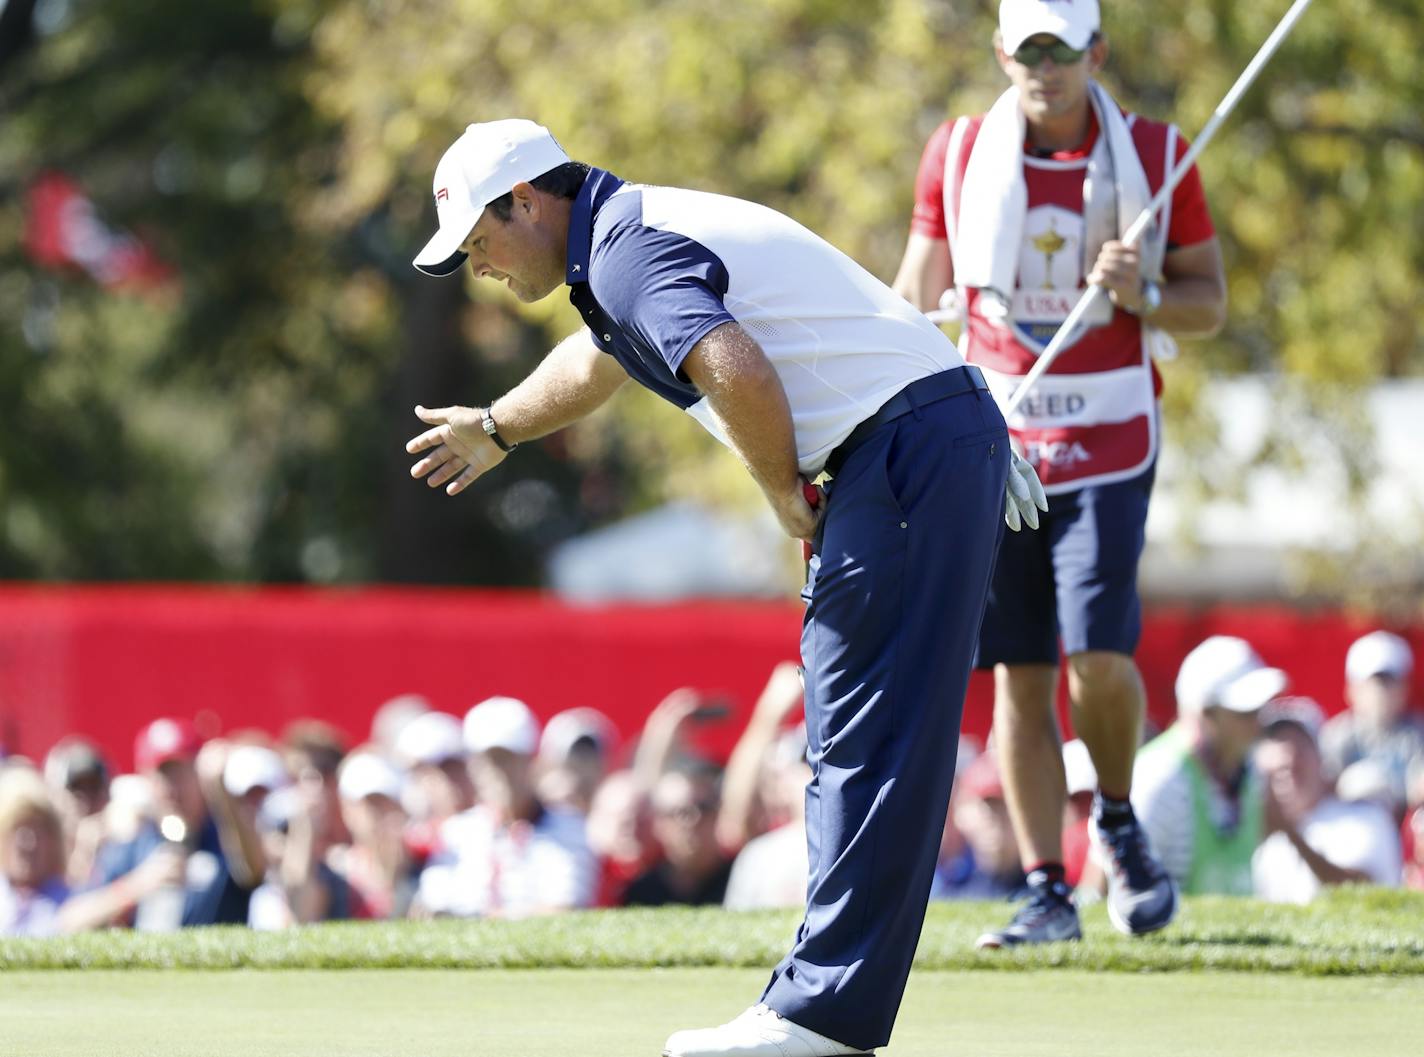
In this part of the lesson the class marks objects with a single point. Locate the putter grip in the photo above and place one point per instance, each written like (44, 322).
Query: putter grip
(813, 496)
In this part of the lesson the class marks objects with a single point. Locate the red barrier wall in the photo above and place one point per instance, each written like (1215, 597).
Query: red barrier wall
(103, 660)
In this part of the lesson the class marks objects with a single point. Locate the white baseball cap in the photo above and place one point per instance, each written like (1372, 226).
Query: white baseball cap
(1072, 21)
(1378, 653)
(365, 774)
(501, 723)
(1299, 711)
(431, 738)
(1225, 672)
(250, 767)
(483, 164)
(565, 729)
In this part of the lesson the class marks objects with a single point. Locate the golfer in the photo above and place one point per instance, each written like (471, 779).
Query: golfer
(1018, 209)
(801, 363)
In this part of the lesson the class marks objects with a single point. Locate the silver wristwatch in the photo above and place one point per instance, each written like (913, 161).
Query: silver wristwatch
(492, 431)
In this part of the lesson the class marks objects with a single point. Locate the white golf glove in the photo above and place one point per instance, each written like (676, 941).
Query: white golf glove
(1023, 494)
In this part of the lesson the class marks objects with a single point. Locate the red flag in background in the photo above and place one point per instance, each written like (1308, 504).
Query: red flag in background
(63, 230)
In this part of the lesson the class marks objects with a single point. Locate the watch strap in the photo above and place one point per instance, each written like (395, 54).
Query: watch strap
(492, 431)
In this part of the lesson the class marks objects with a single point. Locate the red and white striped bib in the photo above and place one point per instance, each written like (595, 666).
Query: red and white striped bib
(1092, 418)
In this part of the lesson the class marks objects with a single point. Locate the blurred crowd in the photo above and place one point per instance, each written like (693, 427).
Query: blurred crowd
(1249, 791)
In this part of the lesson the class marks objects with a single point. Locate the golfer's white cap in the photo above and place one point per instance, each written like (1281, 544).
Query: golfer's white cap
(431, 738)
(501, 723)
(1378, 653)
(365, 774)
(483, 164)
(1072, 21)
(1225, 672)
(250, 767)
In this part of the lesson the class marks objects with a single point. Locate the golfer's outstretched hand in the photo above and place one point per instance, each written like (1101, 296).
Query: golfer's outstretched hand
(1023, 494)
(457, 449)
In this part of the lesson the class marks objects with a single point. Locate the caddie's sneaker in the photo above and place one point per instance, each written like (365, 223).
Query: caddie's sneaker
(759, 1032)
(1141, 895)
(1048, 917)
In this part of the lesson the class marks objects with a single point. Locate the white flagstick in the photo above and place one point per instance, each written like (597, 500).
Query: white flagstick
(1138, 226)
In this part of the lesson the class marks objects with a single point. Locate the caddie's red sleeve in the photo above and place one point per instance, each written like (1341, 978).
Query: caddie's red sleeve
(1191, 219)
(928, 218)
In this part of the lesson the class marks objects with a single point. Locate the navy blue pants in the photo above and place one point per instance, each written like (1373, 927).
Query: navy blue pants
(894, 602)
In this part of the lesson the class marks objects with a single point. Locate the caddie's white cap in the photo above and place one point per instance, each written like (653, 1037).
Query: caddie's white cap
(1225, 672)
(501, 723)
(1378, 653)
(365, 774)
(1072, 21)
(483, 164)
(431, 738)
(250, 767)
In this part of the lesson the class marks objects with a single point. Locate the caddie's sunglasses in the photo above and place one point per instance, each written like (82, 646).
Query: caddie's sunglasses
(1031, 55)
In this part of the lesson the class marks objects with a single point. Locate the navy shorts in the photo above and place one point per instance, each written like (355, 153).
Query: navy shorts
(1073, 581)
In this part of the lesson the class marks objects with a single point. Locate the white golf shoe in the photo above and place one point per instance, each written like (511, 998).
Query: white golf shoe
(759, 1032)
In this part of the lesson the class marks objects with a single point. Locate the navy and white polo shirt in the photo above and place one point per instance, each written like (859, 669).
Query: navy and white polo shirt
(653, 269)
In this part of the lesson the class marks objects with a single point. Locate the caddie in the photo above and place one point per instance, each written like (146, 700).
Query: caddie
(800, 362)
(1016, 210)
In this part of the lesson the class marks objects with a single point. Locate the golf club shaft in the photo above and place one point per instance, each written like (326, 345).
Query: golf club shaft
(1144, 219)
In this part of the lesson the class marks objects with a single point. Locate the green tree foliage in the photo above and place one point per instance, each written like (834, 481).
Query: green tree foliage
(279, 154)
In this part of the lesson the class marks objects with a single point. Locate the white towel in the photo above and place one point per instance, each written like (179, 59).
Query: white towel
(995, 201)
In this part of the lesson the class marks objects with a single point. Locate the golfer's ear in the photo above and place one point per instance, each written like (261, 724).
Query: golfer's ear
(525, 200)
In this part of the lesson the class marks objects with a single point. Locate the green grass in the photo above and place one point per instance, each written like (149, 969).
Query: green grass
(1347, 932)
(628, 1013)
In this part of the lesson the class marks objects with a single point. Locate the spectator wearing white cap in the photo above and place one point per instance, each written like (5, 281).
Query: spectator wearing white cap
(509, 855)
(257, 779)
(1194, 789)
(576, 753)
(390, 719)
(376, 865)
(1314, 839)
(1377, 726)
(432, 748)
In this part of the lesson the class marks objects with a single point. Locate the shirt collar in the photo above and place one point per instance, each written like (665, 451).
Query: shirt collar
(596, 190)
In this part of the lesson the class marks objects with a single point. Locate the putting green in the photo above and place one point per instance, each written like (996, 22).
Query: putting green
(627, 1013)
